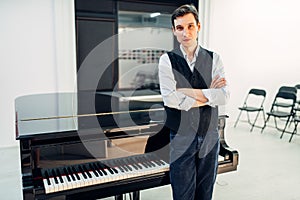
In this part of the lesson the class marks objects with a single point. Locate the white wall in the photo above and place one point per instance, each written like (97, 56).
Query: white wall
(37, 54)
(259, 43)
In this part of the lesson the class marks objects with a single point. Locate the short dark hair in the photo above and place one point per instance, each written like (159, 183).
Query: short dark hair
(183, 10)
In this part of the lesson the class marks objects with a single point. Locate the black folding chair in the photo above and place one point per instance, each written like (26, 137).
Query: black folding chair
(282, 108)
(291, 89)
(253, 104)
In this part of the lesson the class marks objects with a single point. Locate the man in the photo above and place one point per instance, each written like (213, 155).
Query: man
(192, 85)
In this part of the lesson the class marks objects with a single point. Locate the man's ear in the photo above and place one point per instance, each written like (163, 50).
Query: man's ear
(173, 31)
(199, 26)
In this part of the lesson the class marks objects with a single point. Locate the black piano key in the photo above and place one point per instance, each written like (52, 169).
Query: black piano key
(133, 164)
(114, 169)
(101, 167)
(54, 176)
(87, 171)
(94, 169)
(111, 166)
(71, 173)
(161, 162)
(124, 165)
(75, 172)
(137, 163)
(109, 169)
(143, 163)
(138, 160)
(97, 169)
(127, 164)
(158, 162)
(118, 164)
(82, 171)
(47, 177)
(148, 162)
(67, 174)
(59, 176)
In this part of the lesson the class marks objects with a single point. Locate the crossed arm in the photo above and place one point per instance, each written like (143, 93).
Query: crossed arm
(198, 95)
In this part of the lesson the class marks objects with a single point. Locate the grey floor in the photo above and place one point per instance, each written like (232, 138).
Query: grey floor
(269, 168)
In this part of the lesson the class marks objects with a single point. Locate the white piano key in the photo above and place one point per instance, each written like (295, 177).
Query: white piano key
(98, 173)
(47, 186)
(82, 181)
(66, 185)
(53, 187)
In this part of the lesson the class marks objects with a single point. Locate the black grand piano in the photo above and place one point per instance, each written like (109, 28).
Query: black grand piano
(97, 144)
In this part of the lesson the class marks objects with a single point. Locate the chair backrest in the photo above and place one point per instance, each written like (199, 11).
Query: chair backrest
(298, 95)
(297, 106)
(259, 92)
(286, 95)
(255, 98)
(288, 89)
(284, 100)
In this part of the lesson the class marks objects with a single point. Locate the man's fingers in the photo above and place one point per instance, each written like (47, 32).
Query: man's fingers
(218, 83)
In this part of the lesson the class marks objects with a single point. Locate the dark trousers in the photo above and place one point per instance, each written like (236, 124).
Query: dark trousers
(193, 165)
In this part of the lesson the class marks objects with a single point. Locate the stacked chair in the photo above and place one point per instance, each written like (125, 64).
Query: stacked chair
(285, 109)
(296, 118)
(282, 108)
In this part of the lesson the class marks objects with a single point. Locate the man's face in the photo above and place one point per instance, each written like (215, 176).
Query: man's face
(186, 30)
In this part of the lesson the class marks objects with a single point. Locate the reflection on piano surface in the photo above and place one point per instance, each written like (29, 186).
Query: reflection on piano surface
(95, 145)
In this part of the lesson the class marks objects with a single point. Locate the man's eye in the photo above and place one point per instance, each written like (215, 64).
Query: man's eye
(191, 26)
(179, 28)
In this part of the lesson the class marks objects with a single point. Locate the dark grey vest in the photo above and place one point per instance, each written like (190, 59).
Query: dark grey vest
(200, 119)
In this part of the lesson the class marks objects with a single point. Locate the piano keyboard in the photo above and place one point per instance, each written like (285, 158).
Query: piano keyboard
(87, 174)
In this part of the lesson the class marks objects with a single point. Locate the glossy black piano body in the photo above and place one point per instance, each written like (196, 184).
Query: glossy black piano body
(93, 129)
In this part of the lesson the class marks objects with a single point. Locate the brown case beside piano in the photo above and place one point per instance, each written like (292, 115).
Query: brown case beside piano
(74, 149)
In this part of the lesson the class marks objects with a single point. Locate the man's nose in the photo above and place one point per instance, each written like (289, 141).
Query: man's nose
(185, 31)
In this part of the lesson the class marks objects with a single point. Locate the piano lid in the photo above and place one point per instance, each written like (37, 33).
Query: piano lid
(61, 112)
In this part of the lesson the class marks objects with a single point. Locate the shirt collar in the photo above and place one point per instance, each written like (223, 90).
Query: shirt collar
(184, 54)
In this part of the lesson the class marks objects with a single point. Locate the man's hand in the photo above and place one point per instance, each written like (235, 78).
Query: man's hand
(198, 95)
(218, 82)
(194, 93)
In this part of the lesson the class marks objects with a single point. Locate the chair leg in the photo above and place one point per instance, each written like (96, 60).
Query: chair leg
(238, 118)
(265, 124)
(275, 121)
(264, 116)
(294, 131)
(253, 124)
(248, 118)
(286, 124)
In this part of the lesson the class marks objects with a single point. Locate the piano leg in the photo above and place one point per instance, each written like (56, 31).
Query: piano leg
(119, 197)
(135, 196)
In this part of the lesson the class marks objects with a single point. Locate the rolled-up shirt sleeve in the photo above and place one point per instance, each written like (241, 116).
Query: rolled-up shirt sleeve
(171, 97)
(218, 96)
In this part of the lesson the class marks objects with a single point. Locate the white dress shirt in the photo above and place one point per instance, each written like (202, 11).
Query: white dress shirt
(178, 100)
